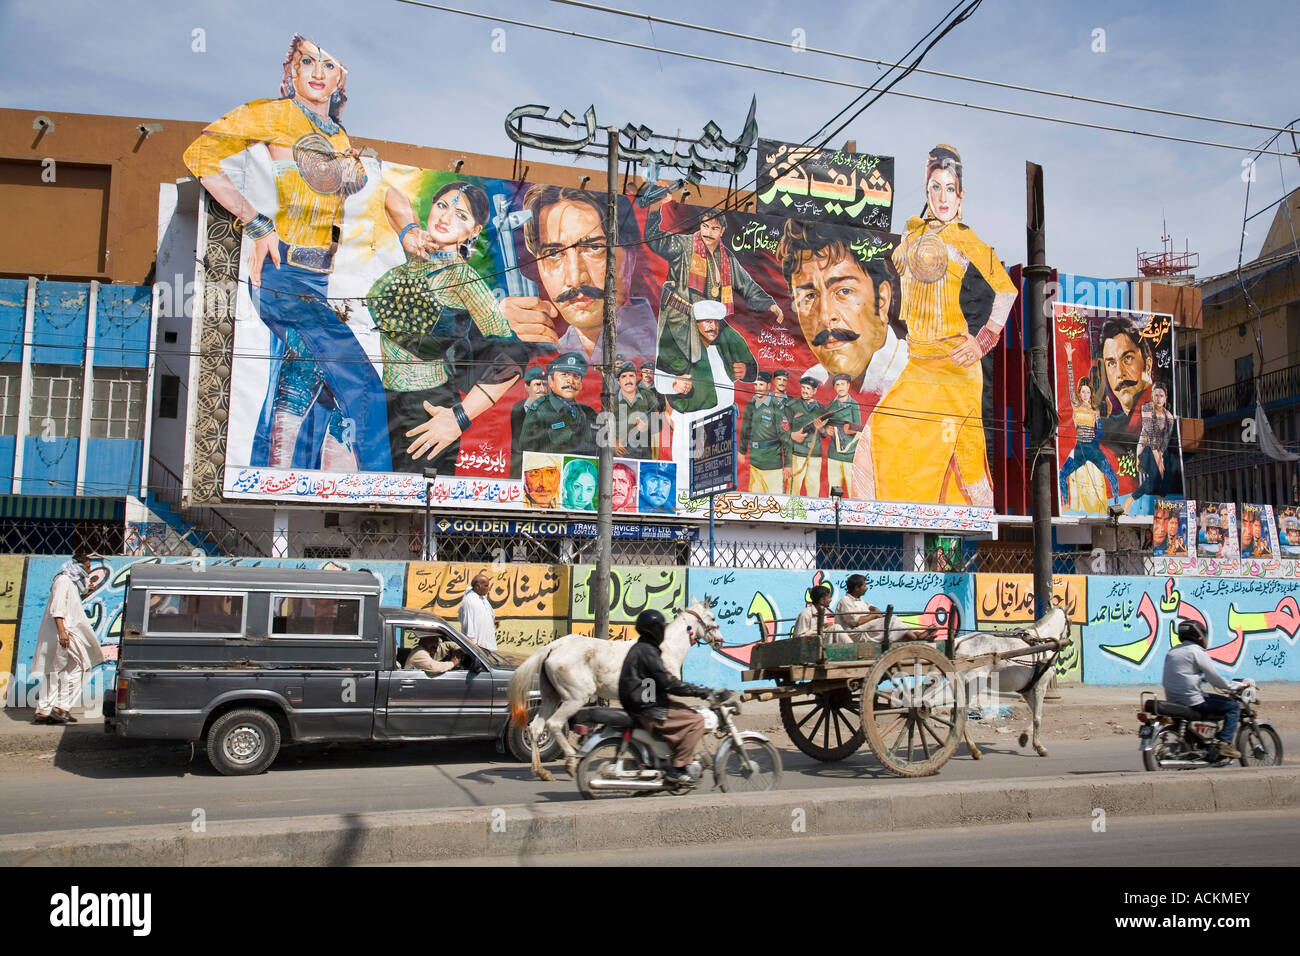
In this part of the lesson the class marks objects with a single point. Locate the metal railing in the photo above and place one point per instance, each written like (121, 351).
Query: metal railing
(210, 529)
(1240, 396)
(402, 541)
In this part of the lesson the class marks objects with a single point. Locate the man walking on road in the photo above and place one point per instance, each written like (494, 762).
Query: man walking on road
(477, 619)
(66, 647)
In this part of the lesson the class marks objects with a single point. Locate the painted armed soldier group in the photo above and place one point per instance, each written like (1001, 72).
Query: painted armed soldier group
(783, 435)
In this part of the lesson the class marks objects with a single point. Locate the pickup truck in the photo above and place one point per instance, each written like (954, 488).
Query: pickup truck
(246, 659)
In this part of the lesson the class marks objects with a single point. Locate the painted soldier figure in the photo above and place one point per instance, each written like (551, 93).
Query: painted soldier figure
(765, 438)
(845, 420)
(559, 423)
(632, 419)
(807, 428)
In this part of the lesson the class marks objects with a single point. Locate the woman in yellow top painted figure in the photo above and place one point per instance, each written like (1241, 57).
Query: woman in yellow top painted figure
(927, 441)
(324, 392)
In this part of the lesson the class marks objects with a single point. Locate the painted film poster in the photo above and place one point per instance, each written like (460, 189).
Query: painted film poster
(826, 185)
(1288, 532)
(1216, 530)
(1258, 532)
(1169, 524)
(1118, 442)
(393, 320)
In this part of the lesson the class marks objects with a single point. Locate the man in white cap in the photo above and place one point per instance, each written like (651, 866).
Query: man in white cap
(698, 390)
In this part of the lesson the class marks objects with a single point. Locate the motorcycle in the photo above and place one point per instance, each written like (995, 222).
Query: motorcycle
(618, 758)
(1174, 737)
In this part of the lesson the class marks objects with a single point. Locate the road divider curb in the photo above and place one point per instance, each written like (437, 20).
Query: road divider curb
(574, 827)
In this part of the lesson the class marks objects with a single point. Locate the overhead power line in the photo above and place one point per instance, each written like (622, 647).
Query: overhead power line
(951, 76)
(842, 83)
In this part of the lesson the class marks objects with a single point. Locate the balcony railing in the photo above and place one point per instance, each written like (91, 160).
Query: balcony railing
(1240, 396)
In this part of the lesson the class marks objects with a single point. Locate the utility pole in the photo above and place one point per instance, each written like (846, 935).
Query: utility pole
(605, 451)
(1035, 312)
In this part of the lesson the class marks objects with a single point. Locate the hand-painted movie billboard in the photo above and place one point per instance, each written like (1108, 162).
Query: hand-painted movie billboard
(392, 320)
(1118, 441)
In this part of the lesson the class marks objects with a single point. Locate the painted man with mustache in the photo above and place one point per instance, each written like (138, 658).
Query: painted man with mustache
(842, 293)
(565, 235)
(1127, 360)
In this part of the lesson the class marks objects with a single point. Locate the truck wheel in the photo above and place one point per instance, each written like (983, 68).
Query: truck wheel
(243, 742)
(518, 742)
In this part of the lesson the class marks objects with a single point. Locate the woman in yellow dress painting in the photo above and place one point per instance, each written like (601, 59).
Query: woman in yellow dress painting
(927, 433)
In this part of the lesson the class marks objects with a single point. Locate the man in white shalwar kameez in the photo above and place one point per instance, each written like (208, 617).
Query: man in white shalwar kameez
(806, 624)
(477, 618)
(853, 613)
(66, 647)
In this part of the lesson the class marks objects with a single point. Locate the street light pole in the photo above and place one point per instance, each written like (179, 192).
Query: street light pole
(605, 451)
(429, 475)
(836, 494)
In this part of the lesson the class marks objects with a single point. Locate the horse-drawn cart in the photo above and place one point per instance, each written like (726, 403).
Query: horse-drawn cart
(907, 699)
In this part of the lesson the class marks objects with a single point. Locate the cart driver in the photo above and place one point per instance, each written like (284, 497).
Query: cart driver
(643, 688)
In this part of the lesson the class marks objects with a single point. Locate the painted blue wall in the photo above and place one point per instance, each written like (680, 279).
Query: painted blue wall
(112, 467)
(13, 310)
(8, 443)
(50, 467)
(122, 326)
(59, 323)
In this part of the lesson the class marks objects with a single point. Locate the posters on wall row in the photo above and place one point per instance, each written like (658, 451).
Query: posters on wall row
(1211, 538)
(393, 319)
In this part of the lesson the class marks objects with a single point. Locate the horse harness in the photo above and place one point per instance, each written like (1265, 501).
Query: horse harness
(703, 626)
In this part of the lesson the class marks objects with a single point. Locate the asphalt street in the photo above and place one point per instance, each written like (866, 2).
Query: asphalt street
(152, 784)
(1193, 841)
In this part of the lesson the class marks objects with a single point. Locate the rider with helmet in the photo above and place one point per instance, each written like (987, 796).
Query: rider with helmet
(1185, 665)
(643, 689)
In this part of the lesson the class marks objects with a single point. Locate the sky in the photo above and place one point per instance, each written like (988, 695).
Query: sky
(434, 78)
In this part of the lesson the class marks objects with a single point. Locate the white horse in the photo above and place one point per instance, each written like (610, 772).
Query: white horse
(575, 670)
(1017, 674)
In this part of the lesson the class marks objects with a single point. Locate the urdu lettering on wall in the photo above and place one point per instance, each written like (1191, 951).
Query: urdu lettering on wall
(1122, 626)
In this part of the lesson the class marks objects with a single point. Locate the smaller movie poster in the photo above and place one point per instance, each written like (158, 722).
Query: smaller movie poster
(1216, 530)
(1288, 532)
(1258, 532)
(1169, 530)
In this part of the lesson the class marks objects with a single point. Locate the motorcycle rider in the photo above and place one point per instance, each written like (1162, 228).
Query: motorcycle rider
(1185, 665)
(643, 689)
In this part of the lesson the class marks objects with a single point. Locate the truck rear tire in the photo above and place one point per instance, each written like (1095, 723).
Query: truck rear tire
(243, 742)
(518, 742)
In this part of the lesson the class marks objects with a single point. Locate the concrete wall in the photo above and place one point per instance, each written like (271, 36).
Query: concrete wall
(1122, 626)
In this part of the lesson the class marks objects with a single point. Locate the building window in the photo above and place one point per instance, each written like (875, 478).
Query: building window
(117, 403)
(56, 401)
(11, 379)
(1246, 380)
(1188, 396)
(169, 396)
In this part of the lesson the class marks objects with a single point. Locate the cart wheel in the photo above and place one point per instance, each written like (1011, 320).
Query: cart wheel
(825, 726)
(914, 709)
